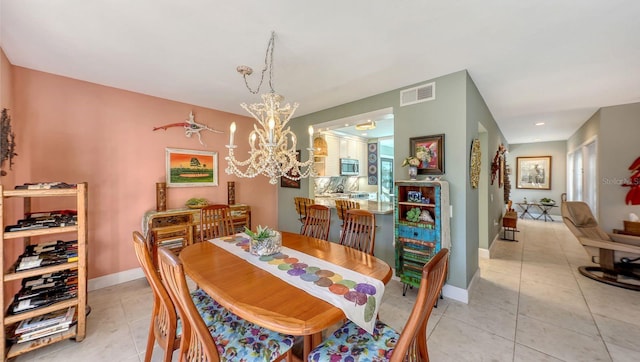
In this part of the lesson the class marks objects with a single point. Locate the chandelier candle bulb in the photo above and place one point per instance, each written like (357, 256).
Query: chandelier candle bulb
(232, 128)
(311, 137)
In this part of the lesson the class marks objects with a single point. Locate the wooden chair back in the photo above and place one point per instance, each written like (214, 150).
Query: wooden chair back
(164, 319)
(342, 206)
(412, 343)
(215, 222)
(359, 230)
(317, 222)
(196, 344)
(302, 204)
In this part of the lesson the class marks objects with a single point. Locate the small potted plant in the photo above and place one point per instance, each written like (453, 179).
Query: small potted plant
(413, 163)
(547, 201)
(265, 241)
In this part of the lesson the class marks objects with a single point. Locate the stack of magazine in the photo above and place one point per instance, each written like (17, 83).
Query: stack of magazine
(45, 290)
(44, 325)
(49, 253)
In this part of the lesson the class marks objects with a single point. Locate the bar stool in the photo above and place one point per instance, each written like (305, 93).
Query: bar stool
(342, 206)
(359, 231)
(302, 203)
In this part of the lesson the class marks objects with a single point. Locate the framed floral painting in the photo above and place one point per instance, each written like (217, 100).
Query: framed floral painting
(430, 151)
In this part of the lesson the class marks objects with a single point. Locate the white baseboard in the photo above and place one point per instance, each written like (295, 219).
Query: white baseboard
(486, 253)
(116, 278)
(455, 293)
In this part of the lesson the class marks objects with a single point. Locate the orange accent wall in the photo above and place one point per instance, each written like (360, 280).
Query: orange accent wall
(77, 131)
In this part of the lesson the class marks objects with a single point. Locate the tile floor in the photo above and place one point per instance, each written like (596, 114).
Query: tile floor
(528, 304)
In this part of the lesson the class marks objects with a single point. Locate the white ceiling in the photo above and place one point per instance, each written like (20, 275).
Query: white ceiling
(553, 61)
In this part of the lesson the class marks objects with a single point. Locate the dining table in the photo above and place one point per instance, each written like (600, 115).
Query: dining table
(266, 300)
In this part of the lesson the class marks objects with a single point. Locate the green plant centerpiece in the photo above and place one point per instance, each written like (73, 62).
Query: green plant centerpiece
(547, 201)
(196, 203)
(265, 241)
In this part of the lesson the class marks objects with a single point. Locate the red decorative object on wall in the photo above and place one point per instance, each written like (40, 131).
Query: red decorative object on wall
(633, 196)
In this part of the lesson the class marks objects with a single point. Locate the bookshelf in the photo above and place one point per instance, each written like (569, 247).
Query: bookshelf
(9, 274)
(419, 239)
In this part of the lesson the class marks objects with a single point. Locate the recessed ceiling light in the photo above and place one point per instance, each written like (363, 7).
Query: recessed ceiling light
(346, 124)
(540, 124)
(536, 140)
(364, 134)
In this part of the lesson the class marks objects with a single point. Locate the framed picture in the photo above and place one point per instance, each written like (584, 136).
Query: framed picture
(430, 151)
(533, 173)
(190, 168)
(287, 182)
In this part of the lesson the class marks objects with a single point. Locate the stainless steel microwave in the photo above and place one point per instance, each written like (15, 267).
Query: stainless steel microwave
(349, 167)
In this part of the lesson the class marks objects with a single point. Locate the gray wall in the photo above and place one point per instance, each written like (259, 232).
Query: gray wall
(477, 112)
(446, 114)
(618, 146)
(617, 129)
(558, 152)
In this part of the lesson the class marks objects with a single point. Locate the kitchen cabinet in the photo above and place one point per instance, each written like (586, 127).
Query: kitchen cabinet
(342, 147)
(332, 161)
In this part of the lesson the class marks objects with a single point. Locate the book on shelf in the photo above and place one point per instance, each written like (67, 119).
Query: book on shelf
(46, 219)
(45, 254)
(20, 306)
(44, 279)
(44, 332)
(61, 316)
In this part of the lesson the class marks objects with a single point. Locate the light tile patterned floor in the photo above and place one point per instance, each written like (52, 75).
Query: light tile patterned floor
(528, 304)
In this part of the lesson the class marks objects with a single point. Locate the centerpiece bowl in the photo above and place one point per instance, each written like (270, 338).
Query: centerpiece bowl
(265, 241)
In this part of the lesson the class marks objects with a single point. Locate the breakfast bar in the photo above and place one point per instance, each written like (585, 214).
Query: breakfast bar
(383, 212)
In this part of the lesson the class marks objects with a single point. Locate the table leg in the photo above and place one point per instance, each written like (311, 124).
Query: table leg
(310, 342)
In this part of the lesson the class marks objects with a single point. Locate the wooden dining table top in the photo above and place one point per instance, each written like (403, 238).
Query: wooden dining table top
(262, 298)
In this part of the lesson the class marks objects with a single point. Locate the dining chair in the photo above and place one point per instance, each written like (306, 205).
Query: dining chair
(165, 327)
(302, 204)
(317, 222)
(344, 205)
(359, 230)
(229, 337)
(352, 343)
(215, 222)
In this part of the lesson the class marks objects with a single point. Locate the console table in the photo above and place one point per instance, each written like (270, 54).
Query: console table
(178, 228)
(525, 207)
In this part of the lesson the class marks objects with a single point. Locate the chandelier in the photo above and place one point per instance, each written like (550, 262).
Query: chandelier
(273, 145)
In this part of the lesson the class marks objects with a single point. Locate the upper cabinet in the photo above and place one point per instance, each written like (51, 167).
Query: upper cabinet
(343, 147)
(332, 161)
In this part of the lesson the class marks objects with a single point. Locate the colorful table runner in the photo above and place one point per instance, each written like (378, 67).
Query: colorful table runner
(358, 295)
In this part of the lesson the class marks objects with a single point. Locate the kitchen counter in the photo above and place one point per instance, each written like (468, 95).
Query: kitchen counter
(383, 212)
(375, 207)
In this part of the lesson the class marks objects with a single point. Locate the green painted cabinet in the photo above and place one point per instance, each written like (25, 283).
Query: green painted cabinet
(421, 214)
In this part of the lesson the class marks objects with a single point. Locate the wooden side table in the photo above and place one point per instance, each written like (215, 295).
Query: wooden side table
(510, 224)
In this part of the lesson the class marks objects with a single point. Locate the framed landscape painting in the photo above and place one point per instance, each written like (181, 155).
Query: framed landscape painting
(430, 151)
(191, 168)
(533, 173)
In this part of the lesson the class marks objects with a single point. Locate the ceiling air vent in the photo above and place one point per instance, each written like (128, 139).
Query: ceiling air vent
(421, 93)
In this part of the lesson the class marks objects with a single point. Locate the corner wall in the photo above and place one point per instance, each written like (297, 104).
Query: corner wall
(446, 114)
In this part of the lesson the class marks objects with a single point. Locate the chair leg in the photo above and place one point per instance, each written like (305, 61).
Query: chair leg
(150, 342)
